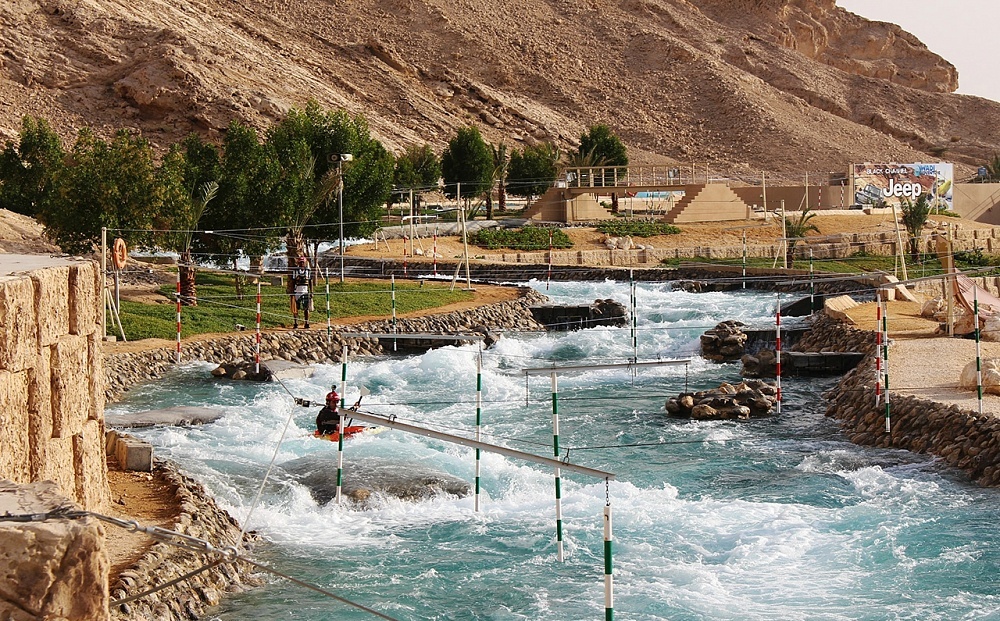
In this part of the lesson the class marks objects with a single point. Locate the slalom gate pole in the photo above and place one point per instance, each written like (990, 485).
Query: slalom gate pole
(878, 351)
(479, 416)
(632, 301)
(329, 325)
(979, 351)
(885, 356)
(812, 285)
(548, 276)
(256, 349)
(393, 292)
(609, 580)
(404, 256)
(555, 451)
(434, 251)
(777, 355)
(341, 434)
(744, 259)
(178, 313)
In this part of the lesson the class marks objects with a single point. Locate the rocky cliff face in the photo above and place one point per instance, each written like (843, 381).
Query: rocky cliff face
(744, 85)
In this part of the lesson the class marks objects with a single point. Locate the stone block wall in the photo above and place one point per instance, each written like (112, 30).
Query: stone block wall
(52, 380)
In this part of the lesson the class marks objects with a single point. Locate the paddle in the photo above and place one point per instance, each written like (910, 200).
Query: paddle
(357, 404)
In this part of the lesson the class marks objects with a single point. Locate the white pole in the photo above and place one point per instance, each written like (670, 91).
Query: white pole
(104, 282)
(609, 581)
(178, 313)
(256, 350)
(777, 347)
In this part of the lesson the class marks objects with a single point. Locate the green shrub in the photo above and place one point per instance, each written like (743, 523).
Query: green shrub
(618, 228)
(527, 238)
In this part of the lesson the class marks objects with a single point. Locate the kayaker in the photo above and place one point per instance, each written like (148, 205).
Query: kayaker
(328, 419)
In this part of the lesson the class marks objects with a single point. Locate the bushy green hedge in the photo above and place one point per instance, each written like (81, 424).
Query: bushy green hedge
(527, 238)
(620, 228)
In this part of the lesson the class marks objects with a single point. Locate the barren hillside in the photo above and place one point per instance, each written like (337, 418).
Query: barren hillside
(742, 85)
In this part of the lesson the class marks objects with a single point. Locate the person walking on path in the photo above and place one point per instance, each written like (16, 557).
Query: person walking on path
(301, 297)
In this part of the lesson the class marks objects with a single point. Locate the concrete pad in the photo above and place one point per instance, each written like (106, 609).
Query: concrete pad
(180, 416)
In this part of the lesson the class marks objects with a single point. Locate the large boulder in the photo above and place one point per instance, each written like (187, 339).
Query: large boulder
(725, 342)
(991, 376)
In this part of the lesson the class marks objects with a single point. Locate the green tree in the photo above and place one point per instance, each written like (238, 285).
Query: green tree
(418, 168)
(602, 145)
(27, 168)
(533, 170)
(467, 160)
(248, 174)
(795, 231)
(914, 216)
(367, 178)
(104, 184)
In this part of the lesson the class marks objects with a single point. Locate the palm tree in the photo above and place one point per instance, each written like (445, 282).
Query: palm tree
(199, 200)
(501, 160)
(795, 231)
(914, 217)
(300, 214)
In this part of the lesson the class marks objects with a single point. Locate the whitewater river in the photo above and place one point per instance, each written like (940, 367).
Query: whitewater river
(771, 519)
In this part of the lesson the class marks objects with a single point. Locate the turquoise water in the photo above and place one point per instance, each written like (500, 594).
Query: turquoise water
(771, 519)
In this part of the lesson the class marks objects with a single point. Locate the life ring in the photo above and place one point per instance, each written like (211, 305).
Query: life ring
(119, 254)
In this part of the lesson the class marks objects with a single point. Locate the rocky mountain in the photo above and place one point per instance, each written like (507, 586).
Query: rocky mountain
(739, 86)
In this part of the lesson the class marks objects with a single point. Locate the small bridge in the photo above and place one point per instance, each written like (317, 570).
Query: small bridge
(574, 197)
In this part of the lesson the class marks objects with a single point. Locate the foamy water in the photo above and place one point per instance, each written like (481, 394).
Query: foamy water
(772, 519)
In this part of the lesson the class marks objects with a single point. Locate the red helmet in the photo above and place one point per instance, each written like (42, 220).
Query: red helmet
(332, 397)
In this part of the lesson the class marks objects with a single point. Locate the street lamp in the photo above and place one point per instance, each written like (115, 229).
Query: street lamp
(344, 157)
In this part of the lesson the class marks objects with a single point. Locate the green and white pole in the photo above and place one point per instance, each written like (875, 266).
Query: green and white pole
(632, 301)
(555, 450)
(341, 434)
(979, 351)
(329, 325)
(885, 357)
(609, 580)
(744, 259)
(479, 416)
(393, 291)
(812, 285)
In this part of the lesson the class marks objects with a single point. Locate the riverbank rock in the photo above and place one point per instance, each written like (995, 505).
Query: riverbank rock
(725, 342)
(743, 401)
(763, 364)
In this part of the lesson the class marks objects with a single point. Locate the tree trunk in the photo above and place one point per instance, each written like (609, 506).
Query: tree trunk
(614, 203)
(502, 197)
(189, 290)
(489, 205)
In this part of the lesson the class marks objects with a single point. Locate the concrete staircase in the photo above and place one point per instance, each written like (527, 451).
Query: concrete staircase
(714, 202)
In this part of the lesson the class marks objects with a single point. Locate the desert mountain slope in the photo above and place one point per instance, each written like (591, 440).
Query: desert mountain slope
(742, 85)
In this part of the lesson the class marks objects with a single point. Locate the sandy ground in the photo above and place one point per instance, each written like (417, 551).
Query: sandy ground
(924, 365)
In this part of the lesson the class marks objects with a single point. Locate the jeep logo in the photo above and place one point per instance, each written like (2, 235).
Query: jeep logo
(909, 190)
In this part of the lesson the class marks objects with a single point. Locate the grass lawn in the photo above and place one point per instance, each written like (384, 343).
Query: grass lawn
(929, 265)
(220, 310)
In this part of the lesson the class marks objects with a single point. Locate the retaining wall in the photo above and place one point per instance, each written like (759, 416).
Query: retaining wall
(51, 377)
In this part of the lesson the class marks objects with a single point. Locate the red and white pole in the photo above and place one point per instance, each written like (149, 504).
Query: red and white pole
(256, 351)
(178, 313)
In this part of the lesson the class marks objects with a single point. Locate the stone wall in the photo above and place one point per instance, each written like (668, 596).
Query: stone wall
(199, 517)
(51, 379)
(311, 346)
(961, 438)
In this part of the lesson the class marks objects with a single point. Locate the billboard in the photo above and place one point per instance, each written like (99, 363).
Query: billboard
(887, 184)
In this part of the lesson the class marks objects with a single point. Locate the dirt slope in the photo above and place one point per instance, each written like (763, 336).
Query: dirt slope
(743, 85)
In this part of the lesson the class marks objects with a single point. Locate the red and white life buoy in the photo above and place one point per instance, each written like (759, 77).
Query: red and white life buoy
(119, 254)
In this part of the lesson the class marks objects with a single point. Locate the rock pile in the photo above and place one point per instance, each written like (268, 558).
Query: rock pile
(748, 399)
(725, 342)
(763, 364)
